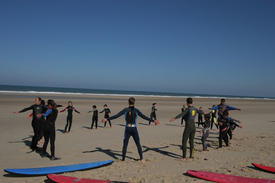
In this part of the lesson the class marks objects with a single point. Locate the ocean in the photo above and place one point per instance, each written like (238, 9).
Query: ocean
(82, 91)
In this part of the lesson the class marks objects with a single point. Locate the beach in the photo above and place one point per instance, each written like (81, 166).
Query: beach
(254, 143)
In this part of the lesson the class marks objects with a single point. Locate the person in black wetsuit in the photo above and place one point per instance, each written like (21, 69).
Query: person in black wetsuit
(200, 116)
(205, 131)
(153, 114)
(95, 117)
(182, 110)
(70, 108)
(49, 128)
(37, 108)
(190, 128)
(131, 113)
(224, 124)
(107, 113)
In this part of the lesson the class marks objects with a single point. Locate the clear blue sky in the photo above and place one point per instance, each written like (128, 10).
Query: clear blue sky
(192, 46)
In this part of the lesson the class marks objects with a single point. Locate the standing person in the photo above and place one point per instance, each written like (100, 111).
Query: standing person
(190, 128)
(205, 131)
(224, 124)
(70, 108)
(131, 113)
(107, 113)
(200, 116)
(36, 108)
(182, 110)
(153, 114)
(49, 128)
(95, 117)
(222, 107)
(213, 117)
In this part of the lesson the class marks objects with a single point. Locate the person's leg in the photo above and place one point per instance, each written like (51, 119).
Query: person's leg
(110, 123)
(212, 121)
(184, 141)
(93, 121)
(225, 138)
(52, 141)
(203, 139)
(191, 142)
(96, 121)
(137, 141)
(46, 140)
(230, 133)
(70, 123)
(66, 124)
(220, 138)
(125, 142)
(35, 136)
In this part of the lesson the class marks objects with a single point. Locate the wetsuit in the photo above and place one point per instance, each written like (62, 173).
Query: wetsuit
(70, 110)
(182, 110)
(107, 112)
(224, 125)
(36, 109)
(153, 114)
(131, 114)
(205, 133)
(232, 125)
(189, 131)
(200, 118)
(49, 130)
(222, 107)
(213, 118)
(94, 118)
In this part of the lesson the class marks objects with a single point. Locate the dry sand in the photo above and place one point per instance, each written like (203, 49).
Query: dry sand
(161, 144)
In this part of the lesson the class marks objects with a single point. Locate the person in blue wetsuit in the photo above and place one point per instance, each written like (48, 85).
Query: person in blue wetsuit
(131, 113)
(222, 107)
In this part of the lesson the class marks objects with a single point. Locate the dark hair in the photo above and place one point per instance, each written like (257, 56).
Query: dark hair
(131, 101)
(222, 100)
(154, 103)
(39, 98)
(70, 102)
(105, 105)
(94, 106)
(225, 113)
(52, 103)
(207, 116)
(189, 100)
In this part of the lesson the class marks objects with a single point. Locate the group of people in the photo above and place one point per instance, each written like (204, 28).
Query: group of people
(44, 117)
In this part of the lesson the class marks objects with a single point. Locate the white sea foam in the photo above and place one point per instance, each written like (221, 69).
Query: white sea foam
(107, 94)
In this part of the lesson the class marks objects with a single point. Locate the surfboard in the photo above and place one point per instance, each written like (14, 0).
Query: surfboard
(265, 168)
(58, 169)
(67, 179)
(223, 178)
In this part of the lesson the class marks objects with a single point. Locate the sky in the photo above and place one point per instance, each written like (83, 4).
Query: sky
(187, 46)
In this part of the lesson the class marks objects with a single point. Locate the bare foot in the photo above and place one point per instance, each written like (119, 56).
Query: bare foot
(142, 161)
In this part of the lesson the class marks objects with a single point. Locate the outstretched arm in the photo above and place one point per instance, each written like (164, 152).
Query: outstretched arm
(63, 109)
(117, 115)
(102, 111)
(143, 116)
(76, 111)
(26, 109)
(178, 116)
(231, 108)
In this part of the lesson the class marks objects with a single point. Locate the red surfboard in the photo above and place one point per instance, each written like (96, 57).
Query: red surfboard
(265, 168)
(67, 179)
(223, 178)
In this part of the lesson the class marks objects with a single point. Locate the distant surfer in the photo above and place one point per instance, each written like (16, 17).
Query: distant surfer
(95, 117)
(107, 113)
(153, 114)
(70, 108)
(200, 118)
(131, 113)
(190, 128)
(205, 131)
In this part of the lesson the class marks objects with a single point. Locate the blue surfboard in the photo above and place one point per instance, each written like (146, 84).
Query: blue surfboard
(58, 169)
